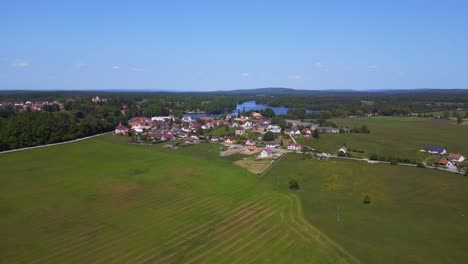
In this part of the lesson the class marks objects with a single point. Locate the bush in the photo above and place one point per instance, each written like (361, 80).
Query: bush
(293, 185)
(374, 157)
(341, 154)
(367, 199)
(269, 136)
(420, 165)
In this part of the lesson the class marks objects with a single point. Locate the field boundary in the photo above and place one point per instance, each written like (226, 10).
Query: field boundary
(53, 144)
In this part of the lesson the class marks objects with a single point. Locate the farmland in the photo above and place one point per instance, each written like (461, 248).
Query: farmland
(395, 136)
(415, 215)
(106, 201)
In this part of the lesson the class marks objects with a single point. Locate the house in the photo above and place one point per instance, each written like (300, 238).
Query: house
(214, 139)
(306, 132)
(436, 150)
(186, 119)
(247, 125)
(455, 157)
(445, 162)
(250, 142)
(294, 146)
(343, 149)
(138, 129)
(329, 130)
(272, 144)
(121, 130)
(256, 115)
(190, 140)
(266, 153)
(324, 156)
(274, 129)
(163, 118)
(167, 137)
(240, 131)
(230, 140)
(251, 148)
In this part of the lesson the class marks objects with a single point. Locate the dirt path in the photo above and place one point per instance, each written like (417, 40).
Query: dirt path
(54, 144)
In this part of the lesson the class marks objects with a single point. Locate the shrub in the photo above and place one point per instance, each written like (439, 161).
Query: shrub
(374, 157)
(420, 165)
(367, 199)
(293, 185)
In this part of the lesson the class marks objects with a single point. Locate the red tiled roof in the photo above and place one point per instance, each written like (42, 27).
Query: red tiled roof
(443, 161)
(454, 156)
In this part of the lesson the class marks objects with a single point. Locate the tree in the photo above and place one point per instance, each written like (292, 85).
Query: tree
(268, 113)
(420, 165)
(315, 134)
(367, 199)
(269, 136)
(459, 119)
(293, 185)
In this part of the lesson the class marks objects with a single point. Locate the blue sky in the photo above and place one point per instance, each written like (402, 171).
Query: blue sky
(223, 45)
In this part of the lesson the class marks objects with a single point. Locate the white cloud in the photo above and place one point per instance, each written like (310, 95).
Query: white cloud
(318, 65)
(245, 74)
(136, 69)
(372, 67)
(116, 67)
(294, 77)
(21, 64)
(80, 65)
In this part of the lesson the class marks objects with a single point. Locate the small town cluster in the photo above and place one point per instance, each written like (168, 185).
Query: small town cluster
(35, 106)
(241, 130)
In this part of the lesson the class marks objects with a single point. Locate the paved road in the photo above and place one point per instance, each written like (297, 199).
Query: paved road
(54, 144)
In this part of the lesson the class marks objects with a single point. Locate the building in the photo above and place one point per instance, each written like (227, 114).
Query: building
(240, 131)
(272, 144)
(343, 149)
(445, 162)
(294, 146)
(266, 153)
(250, 142)
(229, 140)
(437, 150)
(455, 157)
(121, 130)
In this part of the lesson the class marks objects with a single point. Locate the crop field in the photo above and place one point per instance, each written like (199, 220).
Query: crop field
(395, 136)
(106, 201)
(415, 215)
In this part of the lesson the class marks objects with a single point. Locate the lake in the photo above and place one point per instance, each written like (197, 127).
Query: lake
(250, 105)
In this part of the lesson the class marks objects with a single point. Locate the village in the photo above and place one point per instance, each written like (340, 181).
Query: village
(254, 135)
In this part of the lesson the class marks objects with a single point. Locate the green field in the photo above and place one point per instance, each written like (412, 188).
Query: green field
(395, 136)
(415, 215)
(106, 201)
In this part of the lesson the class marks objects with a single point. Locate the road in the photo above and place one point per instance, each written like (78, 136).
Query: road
(54, 144)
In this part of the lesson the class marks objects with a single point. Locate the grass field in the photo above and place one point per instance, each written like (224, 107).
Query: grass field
(415, 215)
(105, 201)
(395, 136)
(253, 165)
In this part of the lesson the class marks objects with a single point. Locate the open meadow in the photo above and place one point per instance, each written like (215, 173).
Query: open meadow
(395, 137)
(415, 215)
(104, 200)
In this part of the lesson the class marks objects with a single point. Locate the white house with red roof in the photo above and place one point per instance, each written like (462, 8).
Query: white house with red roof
(294, 146)
(121, 130)
(453, 157)
(250, 142)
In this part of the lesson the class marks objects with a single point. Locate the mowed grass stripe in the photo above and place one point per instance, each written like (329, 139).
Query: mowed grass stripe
(260, 231)
(129, 254)
(63, 241)
(251, 249)
(193, 232)
(221, 237)
(219, 209)
(134, 234)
